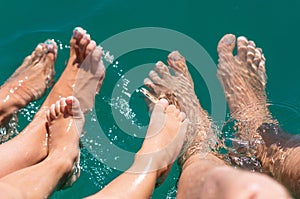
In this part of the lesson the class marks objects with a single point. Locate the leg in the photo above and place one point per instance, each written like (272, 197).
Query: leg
(161, 146)
(244, 79)
(31, 151)
(196, 157)
(65, 122)
(215, 180)
(30, 81)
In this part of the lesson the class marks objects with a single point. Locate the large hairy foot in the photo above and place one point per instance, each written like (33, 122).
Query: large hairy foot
(179, 89)
(30, 81)
(163, 141)
(65, 124)
(244, 81)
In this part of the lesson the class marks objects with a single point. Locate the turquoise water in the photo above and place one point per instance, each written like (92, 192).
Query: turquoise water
(273, 26)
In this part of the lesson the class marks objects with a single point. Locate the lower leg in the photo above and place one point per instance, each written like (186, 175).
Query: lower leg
(209, 178)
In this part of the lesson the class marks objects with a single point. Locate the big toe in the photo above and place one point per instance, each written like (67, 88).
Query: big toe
(226, 45)
(73, 106)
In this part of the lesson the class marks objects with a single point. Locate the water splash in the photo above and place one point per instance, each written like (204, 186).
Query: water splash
(9, 130)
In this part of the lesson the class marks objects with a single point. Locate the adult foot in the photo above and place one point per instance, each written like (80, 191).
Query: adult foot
(83, 74)
(163, 141)
(30, 81)
(179, 89)
(77, 72)
(244, 79)
(65, 124)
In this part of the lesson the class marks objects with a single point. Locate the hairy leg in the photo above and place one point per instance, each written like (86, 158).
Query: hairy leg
(244, 79)
(197, 159)
(209, 178)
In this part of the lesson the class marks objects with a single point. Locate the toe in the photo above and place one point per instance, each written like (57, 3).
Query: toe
(78, 33)
(159, 108)
(164, 102)
(73, 106)
(149, 83)
(155, 77)
(97, 52)
(242, 44)
(257, 57)
(250, 54)
(182, 116)
(262, 72)
(63, 105)
(90, 47)
(52, 112)
(51, 49)
(177, 63)
(83, 45)
(162, 69)
(171, 109)
(226, 46)
(177, 112)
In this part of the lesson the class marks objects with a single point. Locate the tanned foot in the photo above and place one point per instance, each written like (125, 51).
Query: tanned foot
(164, 139)
(78, 72)
(30, 81)
(65, 124)
(179, 90)
(243, 78)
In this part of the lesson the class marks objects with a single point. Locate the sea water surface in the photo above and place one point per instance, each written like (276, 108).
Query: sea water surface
(120, 114)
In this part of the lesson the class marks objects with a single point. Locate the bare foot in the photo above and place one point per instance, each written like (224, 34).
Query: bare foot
(179, 89)
(164, 139)
(30, 81)
(244, 81)
(65, 124)
(75, 73)
(84, 70)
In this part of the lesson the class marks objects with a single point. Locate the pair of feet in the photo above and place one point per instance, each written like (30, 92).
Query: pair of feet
(243, 78)
(81, 80)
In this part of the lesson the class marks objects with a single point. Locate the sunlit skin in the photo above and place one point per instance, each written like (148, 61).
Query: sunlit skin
(65, 122)
(31, 151)
(163, 142)
(244, 81)
(201, 169)
(30, 81)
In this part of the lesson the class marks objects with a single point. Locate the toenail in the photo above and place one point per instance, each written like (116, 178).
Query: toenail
(40, 46)
(50, 47)
(175, 56)
(164, 102)
(87, 36)
(159, 63)
(229, 40)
